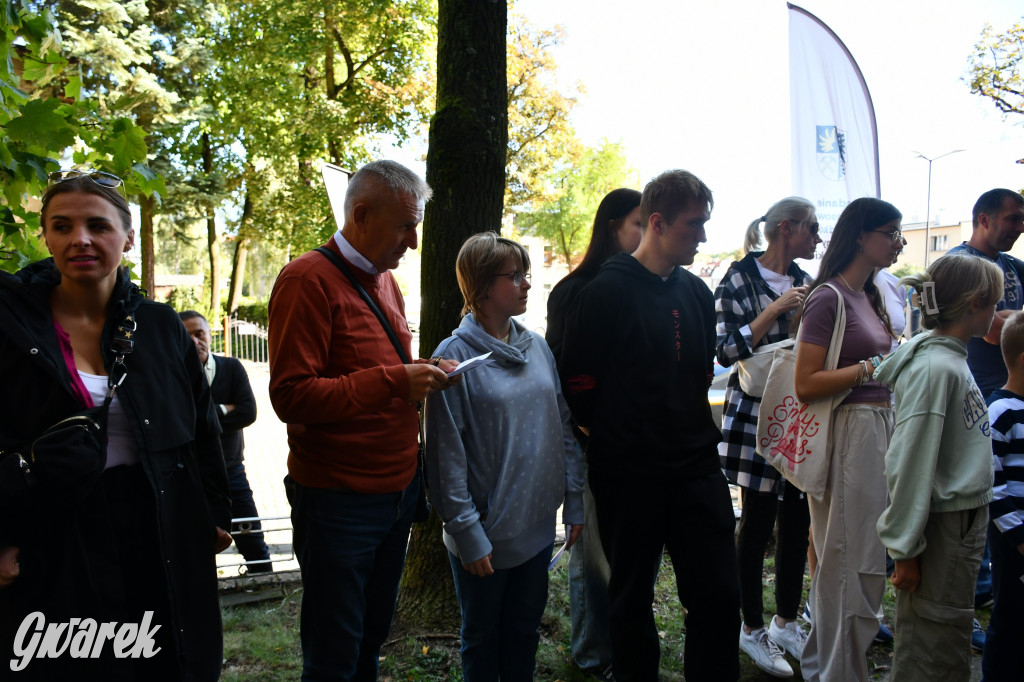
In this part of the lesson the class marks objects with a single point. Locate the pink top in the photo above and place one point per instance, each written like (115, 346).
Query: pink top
(77, 386)
(865, 334)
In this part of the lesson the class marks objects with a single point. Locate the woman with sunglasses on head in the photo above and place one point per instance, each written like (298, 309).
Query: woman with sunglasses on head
(756, 304)
(617, 229)
(127, 535)
(500, 461)
(846, 591)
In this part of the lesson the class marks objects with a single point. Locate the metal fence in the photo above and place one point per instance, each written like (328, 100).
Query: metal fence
(241, 339)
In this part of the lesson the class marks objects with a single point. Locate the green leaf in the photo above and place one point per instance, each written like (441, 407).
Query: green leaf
(33, 168)
(39, 125)
(128, 144)
(145, 171)
(73, 89)
(7, 221)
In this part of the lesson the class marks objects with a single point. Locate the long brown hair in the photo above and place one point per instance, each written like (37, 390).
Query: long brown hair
(860, 215)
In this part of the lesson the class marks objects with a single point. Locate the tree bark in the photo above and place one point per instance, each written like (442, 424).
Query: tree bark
(241, 252)
(211, 234)
(466, 169)
(147, 208)
(237, 274)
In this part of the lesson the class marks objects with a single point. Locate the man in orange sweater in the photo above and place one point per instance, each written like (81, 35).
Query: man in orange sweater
(349, 402)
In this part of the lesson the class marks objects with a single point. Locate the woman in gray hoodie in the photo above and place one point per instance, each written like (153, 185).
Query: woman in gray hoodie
(500, 461)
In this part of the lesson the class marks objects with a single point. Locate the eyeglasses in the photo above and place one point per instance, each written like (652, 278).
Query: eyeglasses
(895, 236)
(516, 276)
(99, 177)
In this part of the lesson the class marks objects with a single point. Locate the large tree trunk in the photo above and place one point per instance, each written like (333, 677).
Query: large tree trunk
(466, 169)
(211, 235)
(147, 208)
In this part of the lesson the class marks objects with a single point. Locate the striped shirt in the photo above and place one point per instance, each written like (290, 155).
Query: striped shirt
(1006, 414)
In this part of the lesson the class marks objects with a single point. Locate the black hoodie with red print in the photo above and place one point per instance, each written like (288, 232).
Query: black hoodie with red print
(636, 364)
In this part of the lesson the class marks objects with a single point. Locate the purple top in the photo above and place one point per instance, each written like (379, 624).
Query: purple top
(865, 334)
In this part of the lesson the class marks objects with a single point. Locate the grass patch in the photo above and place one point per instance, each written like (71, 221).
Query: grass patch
(261, 641)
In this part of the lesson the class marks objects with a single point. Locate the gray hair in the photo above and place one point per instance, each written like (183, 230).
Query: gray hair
(390, 174)
(794, 209)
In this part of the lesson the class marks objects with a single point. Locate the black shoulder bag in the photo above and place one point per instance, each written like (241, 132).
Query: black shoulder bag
(423, 506)
(66, 461)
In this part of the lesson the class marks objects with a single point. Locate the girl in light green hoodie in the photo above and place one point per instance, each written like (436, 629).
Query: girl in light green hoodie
(939, 470)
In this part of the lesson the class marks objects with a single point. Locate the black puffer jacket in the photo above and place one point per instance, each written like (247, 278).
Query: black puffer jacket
(67, 557)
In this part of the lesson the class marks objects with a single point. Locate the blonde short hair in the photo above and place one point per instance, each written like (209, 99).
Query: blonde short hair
(961, 280)
(479, 260)
(1012, 339)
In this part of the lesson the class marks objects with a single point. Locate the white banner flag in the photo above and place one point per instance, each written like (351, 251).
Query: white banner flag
(834, 137)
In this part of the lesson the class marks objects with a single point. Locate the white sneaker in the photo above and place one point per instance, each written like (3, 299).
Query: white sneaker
(791, 637)
(765, 653)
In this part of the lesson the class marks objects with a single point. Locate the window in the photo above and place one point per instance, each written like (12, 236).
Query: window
(940, 242)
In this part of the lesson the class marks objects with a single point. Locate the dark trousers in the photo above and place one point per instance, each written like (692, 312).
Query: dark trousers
(1003, 659)
(351, 551)
(501, 616)
(251, 545)
(642, 514)
(131, 507)
(760, 510)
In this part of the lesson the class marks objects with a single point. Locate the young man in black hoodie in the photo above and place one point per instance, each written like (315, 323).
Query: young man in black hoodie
(637, 363)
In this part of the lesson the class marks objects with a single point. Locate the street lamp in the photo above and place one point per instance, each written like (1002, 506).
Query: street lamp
(928, 208)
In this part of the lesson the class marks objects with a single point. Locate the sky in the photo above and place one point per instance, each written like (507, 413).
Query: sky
(705, 86)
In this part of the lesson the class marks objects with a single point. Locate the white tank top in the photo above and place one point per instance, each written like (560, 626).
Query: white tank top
(121, 445)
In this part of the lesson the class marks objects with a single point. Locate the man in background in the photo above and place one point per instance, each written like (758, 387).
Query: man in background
(236, 408)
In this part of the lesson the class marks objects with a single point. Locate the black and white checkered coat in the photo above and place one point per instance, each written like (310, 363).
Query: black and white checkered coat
(734, 307)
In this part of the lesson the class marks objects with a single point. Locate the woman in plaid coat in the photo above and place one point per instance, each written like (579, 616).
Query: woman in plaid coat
(756, 303)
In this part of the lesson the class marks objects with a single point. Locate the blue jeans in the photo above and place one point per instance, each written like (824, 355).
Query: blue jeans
(251, 545)
(351, 551)
(500, 619)
(588, 592)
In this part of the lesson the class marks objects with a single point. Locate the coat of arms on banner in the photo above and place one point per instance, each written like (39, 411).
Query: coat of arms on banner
(831, 152)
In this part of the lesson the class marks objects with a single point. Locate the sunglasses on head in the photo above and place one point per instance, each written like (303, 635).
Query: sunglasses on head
(99, 177)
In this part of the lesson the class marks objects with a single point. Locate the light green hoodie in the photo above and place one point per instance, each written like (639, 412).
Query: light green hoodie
(940, 455)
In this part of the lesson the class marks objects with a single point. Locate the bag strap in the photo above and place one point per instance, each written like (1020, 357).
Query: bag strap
(835, 346)
(122, 344)
(340, 264)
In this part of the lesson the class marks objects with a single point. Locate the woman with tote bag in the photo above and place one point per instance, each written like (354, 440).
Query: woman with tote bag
(847, 588)
(756, 304)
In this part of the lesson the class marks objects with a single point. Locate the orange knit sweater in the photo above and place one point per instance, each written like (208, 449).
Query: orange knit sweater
(336, 380)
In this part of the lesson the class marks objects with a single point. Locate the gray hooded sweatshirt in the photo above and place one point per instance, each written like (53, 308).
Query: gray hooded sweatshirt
(940, 455)
(499, 447)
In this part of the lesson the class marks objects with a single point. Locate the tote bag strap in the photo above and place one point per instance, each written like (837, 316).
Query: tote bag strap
(835, 345)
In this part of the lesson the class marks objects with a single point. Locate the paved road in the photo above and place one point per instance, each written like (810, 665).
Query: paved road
(266, 463)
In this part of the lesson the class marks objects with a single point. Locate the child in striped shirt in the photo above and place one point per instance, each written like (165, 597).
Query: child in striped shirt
(1004, 658)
